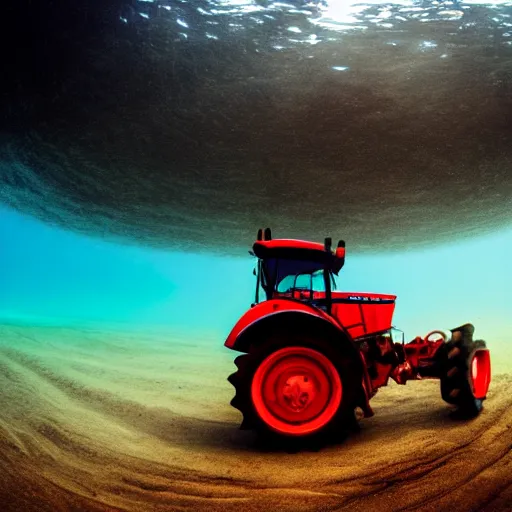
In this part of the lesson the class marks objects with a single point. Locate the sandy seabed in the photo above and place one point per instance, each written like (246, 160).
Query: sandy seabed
(93, 420)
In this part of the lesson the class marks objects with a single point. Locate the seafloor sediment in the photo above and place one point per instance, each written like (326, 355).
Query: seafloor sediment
(100, 421)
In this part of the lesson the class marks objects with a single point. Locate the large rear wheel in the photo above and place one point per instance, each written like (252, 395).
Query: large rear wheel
(298, 390)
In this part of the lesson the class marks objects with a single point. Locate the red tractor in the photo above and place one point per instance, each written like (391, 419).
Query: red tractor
(313, 357)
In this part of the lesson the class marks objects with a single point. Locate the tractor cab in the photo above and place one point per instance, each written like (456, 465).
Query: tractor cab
(304, 271)
(297, 269)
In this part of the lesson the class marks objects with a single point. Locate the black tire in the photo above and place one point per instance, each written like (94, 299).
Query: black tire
(456, 381)
(344, 419)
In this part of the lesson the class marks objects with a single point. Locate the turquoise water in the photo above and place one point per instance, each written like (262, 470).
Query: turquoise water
(53, 277)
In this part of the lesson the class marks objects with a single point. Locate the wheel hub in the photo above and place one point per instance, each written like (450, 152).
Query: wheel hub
(298, 392)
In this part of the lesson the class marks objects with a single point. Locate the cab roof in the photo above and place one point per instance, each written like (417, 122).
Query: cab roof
(300, 250)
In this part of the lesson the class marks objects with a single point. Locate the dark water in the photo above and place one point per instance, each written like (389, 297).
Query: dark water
(189, 124)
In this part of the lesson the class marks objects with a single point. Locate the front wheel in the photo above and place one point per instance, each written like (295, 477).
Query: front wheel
(294, 391)
(466, 372)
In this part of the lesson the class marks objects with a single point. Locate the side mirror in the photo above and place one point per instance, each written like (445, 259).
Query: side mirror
(340, 252)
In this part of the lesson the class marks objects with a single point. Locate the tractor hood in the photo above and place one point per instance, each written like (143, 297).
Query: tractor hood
(363, 314)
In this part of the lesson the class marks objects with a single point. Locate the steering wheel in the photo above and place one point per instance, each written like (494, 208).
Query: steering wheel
(440, 333)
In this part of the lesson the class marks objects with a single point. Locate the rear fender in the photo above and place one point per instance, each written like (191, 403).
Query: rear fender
(271, 314)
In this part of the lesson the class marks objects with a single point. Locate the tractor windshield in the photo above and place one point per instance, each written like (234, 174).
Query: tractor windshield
(285, 275)
(310, 281)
